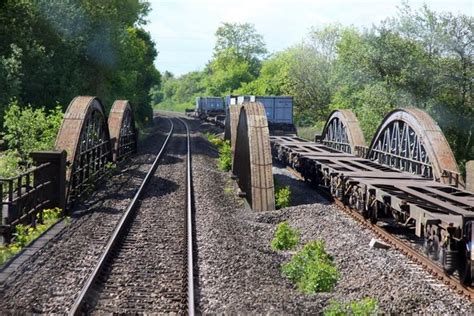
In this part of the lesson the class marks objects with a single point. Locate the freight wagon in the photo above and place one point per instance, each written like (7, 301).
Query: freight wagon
(279, 111)
(209, 106)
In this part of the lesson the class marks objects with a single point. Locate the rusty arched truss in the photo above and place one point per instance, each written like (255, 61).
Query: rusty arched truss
(84, 135)
(342, 132)
(410, 140)
(252, 163)
(122, 130)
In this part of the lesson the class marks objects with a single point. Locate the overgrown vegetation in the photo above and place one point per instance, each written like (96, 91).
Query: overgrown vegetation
(285, 237)
(77, 47)
(225, 156)
(26, 130)
(365, 307)
(9, 164)
(419, 58)
(312, 269)
(225, 151)
(214, 139)
(282, 196)
(25, 234)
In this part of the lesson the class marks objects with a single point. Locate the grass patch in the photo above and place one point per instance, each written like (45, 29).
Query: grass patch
(285, 237)
(308, 132)
(24, 235)
(312, 269)
(366, 306)
(173, 107)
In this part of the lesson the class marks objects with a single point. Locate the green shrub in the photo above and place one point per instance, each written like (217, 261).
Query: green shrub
(366, 306)
(285, 237)
(28, 129)
(225, 156)
(9, 164)
(312, 269)
(282, 196)
(225, 151)
(215, 140)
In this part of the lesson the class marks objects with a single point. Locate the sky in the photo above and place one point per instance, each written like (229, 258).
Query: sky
(183, 30)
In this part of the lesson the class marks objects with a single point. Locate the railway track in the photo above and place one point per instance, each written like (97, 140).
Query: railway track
(147, 265)
(401, 245)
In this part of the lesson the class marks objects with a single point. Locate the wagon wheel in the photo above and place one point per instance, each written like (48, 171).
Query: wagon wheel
(252, 163)
(436, 253)
(84, 135)
(465, 267)
(427, 247)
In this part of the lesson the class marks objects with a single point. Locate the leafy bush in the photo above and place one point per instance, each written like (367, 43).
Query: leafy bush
(225, 156)
(312, 269)
(285, 237)
(225, 151)
(9, 161)
(28, 129)
(282, 196)
(366, 306)
(215, 140)
(23, 234)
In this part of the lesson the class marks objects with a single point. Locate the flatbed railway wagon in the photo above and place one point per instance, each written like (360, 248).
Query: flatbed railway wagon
(408, 174)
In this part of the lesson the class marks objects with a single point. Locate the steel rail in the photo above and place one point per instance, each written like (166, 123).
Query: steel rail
(402, 246)
(189, 223)
(77, 307)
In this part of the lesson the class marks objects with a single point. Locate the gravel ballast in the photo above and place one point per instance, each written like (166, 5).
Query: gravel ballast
(236, 270)
(50, 280)
(147, 273)
(239, 272)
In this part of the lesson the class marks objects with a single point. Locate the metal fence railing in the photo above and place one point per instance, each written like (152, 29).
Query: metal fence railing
(25, 196)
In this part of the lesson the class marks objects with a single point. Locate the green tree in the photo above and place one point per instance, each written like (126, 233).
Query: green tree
(226, 73)
(243, 41)
(237, 58)
(274, 76)
(54, 50)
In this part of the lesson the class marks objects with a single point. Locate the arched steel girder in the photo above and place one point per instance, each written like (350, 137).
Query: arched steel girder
(410, 140)
(342, 132)
(252, 163)
(122, 129)
(84, 135)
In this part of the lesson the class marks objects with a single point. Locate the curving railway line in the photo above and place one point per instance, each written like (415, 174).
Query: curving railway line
(147, 265)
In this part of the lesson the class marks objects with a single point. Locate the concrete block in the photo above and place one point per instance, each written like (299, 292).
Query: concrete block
(375, 243)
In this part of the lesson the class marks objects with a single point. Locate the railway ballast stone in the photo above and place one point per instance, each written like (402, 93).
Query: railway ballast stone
(240, 273)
